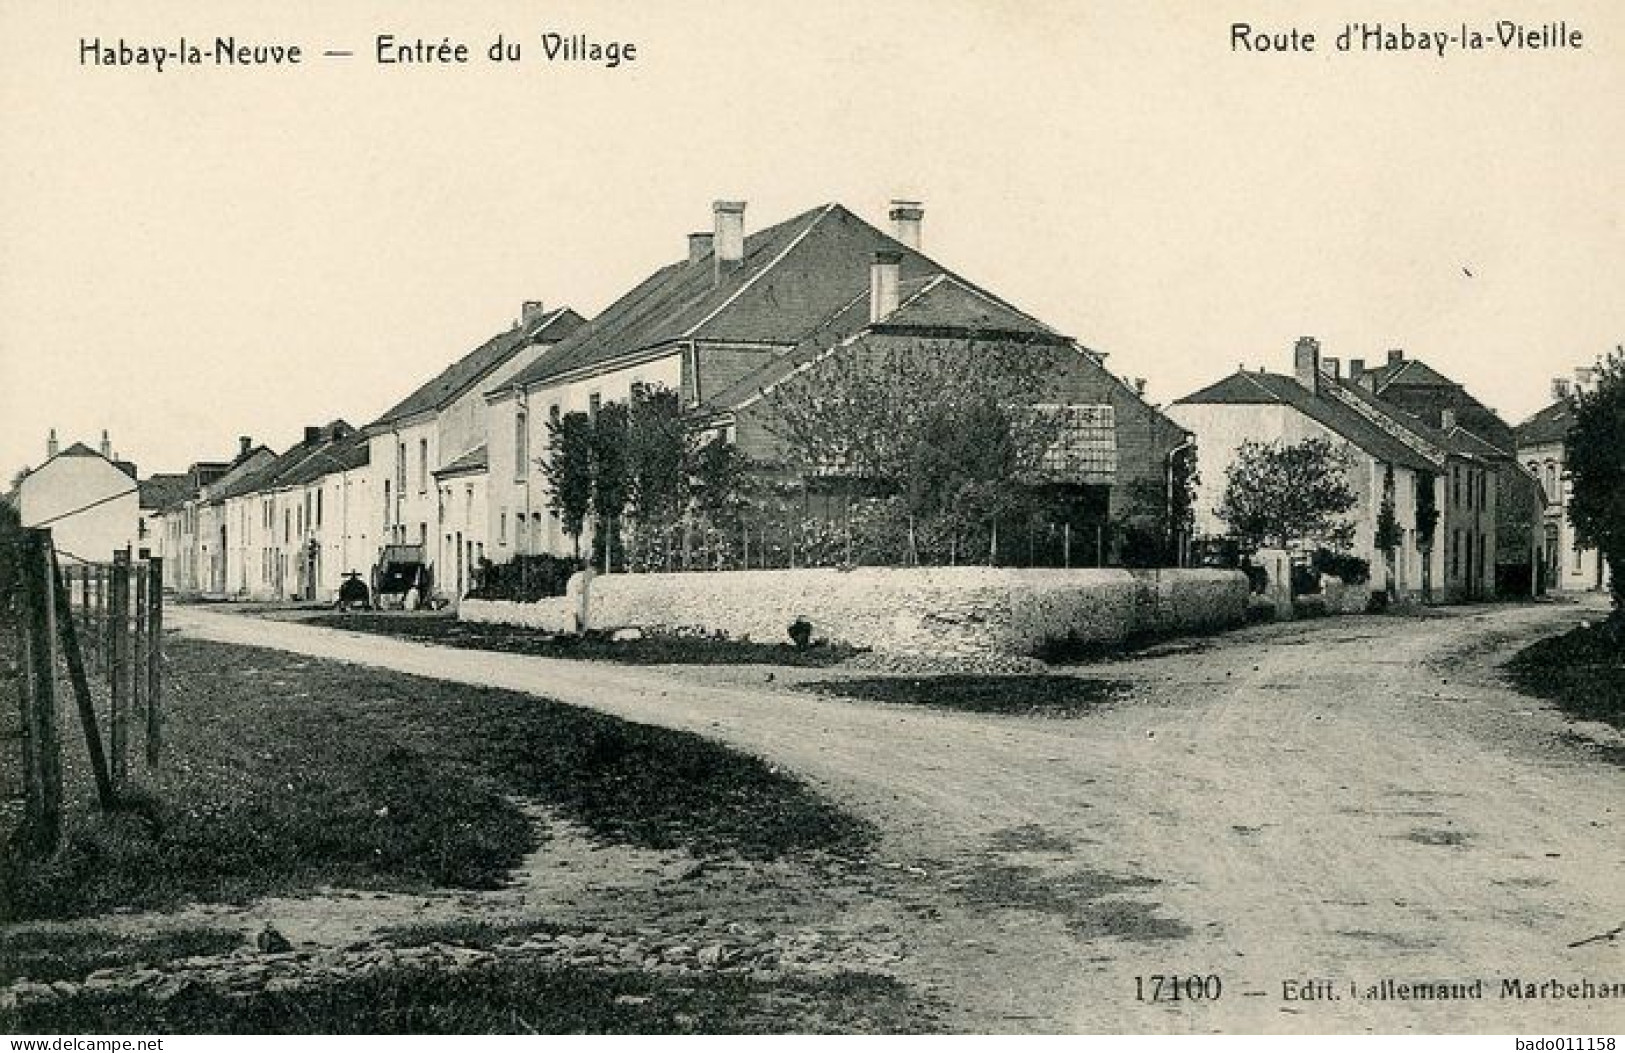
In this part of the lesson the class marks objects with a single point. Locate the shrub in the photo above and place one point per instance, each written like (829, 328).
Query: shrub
(526, 578)
(1346, 567)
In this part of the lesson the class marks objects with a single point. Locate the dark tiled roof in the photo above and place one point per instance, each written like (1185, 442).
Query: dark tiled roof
(299, 463)
(1459, 441)
(940, 304)
(479, 363)
(1409, 373)
(339, 455)
(164, 490)
(472, 461)
(1243, 388)
(1550, 425)
(78, 449)
(795, 279)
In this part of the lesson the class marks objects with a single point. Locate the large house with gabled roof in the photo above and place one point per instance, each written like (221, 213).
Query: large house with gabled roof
(1383, 442)
(739, 313)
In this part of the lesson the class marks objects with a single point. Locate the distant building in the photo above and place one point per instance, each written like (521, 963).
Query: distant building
(427, 451)
(1411, 385)
(1316, 402)
(88, 499)
(1541, 448)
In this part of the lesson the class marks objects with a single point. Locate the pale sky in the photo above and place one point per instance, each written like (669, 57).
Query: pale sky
(191, 255)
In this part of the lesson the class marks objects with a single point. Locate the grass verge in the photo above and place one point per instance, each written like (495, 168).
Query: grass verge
(504, 998)
(1038, 695)
(45, 956)
(285, 774)
(446, 630)
(1582, 671)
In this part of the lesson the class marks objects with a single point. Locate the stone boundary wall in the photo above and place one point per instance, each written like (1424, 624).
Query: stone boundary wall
(923, 610)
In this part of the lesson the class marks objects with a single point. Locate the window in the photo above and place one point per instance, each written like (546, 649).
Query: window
(1552, 493)
(386, 504)
(1086, 449)
(502, 527)
(521, 445)
(400, 468)
(595, 402)
(553, 414)
(519, 534)
(423, 466)
(318, 509)
(1455, 554)
(1455, 486)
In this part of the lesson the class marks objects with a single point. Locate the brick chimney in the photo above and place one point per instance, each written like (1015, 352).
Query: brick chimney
(244, 444)
(699, 245)
(1356, 369)
(905, 221)
(883, 280)
(1306, 362)
(1332, 367)
(1560, 387)
(107, 446)
(51, 444)
(1396, 356)
(1447, 419)
(313, 434)
(728, 241)
(530, 311)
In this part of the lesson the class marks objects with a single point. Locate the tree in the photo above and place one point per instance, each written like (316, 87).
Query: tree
(1388, 534)
(568, 468)
(1594, 454)
(1280, 495)
(951, 428)
(610, 482)
(1427, 527)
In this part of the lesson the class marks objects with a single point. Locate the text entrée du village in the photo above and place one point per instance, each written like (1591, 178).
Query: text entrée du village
(384, 49)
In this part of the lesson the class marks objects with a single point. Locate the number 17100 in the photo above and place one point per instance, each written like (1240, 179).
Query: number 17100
(1161, 988)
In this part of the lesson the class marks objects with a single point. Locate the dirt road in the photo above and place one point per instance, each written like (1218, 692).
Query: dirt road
(1346, 801)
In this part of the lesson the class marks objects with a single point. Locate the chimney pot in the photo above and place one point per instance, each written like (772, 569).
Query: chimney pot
(530, 311)
(1332, 367)
(699, 245)
(1396, 355)
(883, 284)
(1306, 362)
(728, 241)
(905, 221)
(50, 444)
(107, 446)
(1356, 369)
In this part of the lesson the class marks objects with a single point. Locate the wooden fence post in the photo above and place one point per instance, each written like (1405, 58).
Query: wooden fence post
(138, 641)
(118, 625)
(45, 818)
(81, 687)
(155, 660)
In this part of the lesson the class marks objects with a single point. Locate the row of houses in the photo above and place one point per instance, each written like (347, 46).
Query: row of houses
(452, 474)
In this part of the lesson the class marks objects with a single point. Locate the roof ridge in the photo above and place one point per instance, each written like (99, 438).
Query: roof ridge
(823, 213)
(1386, 420)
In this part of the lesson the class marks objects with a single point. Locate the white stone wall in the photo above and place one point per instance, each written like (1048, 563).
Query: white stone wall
(936, 611)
